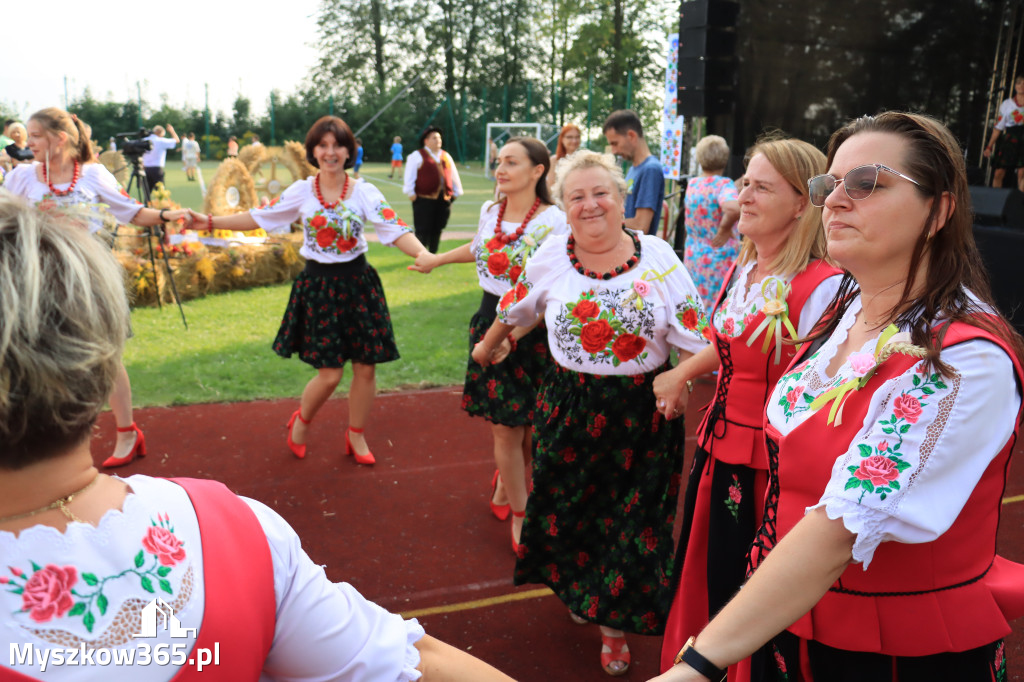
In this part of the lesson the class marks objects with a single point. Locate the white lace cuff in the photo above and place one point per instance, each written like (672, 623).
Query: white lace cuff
(413, 633)
(867, 525)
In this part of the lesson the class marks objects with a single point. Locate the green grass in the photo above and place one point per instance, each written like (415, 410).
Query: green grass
(226, 353)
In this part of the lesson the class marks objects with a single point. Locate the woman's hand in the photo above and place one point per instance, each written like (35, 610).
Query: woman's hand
(484, 356)
(672, 392)
(988, 151)
(679, 673)
(501, 352)
(425, 262)
(721, 238)
(178, 214)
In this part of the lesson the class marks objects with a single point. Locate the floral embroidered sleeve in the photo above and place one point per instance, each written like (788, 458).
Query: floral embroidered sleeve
(122, 206)
(923, 447)
(689, 329)
(381, 216)
(278, 216)
(524, 303)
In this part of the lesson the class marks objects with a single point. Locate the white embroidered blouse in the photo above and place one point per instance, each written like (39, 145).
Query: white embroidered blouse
(333, 235)
(947, 431)
(499, 265)
(95, 187)
(624, 325)
(152, 548)
(741, 304)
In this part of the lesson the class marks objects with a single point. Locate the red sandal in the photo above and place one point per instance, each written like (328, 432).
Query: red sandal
(360, 459)
(614, 650)
(500, 511)
(138, 450)
(298, 449)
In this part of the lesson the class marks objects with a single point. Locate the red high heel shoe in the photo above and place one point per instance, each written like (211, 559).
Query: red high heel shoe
(500, 511)
(298, 449)
(360, 459)
(515, 545)
(138, 450)
(614, 649)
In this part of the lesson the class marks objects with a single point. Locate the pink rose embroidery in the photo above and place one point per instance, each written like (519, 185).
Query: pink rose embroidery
(641, 287)
(877, 469)
(48, 592)
(164, 545)
(907, 407)
(862, 363)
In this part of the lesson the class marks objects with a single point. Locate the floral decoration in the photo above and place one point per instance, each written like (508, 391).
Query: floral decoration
(605, 333)
(690, 314)
(506, 260)
(732, 503)
(776, 317)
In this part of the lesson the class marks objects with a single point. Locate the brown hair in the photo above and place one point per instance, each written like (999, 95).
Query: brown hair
(796, 161)
(955, 268)
(342, 135)
(560, 147)
(56, 121)
(539, 155)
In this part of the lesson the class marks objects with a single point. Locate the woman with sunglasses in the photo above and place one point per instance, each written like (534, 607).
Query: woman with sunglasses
(777, 289)
(888, 441)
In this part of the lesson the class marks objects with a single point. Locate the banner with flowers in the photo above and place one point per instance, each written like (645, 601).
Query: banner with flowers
(672, 126)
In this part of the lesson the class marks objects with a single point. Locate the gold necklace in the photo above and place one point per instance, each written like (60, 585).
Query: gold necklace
(60, 503)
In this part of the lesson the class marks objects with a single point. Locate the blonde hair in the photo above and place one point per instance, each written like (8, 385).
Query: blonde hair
(796, 161)
(712, 153)
(63, 323)
(17, 128)
(56, 121)
(583, 159)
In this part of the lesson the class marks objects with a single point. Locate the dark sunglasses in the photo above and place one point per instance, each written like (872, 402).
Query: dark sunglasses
(859, 183)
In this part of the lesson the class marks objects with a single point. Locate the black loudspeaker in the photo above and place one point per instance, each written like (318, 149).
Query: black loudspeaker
(707, 56)
(1000, 207)
(1000, 249)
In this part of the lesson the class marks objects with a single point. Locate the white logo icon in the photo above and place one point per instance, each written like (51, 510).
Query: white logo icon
(159, 610)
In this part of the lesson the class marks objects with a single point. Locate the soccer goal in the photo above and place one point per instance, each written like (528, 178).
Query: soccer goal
(501, 132)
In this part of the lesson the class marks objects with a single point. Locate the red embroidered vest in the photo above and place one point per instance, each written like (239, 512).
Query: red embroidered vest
(240, 608)
(731, 429)
(432, 180)
(951, 594)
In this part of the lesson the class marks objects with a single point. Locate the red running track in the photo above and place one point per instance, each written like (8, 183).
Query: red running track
(414, 533)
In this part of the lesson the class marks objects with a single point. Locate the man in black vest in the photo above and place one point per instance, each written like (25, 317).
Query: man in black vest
(431, 182)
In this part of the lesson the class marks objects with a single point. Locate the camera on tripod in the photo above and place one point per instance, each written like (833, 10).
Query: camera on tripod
(138, 145)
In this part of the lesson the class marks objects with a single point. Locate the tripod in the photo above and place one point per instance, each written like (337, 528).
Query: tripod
(138, 180)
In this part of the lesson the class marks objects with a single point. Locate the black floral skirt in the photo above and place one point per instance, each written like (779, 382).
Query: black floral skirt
(505, 393)
(606, 475)
(1010, 148)
(337, 313)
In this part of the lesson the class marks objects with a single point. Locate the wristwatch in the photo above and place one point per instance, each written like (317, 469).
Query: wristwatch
(692, 658)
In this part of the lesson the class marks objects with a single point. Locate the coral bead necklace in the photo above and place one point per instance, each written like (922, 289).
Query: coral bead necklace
(76, 173)
(509, 238)
(618, 270)
(320, 196)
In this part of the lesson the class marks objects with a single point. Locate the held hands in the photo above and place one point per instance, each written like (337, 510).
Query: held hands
(672, 393)
(988, 151)
(176, 215)
(425, 262)
(484, 357)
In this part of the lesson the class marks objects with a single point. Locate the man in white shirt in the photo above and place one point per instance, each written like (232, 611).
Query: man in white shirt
(190, 156)
(153, 160)
(431, 182)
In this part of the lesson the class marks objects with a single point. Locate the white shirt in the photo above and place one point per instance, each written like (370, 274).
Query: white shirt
(948, 430)
(335, 235)
(412, 168)
(498, 265)
(95, 186)
(157, 156)
(601, 326)
(323, 630)
(189, 149)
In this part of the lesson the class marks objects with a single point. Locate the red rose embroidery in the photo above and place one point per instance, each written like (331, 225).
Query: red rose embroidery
(318, 221)
(793, 396)
(402, 223)
(734, 494)
(164, 545)
(729, 326)
(883, 446)
(497, 263)
(596, 335)
(628, 346)
(346, 245)
(689, 318)
(585, 310)
(495, 244)
(907, 407)
(507, 299)
(388, 214)
(514, 273)
(877, 469)
(48, 592)
(324, 237)
(708, 333)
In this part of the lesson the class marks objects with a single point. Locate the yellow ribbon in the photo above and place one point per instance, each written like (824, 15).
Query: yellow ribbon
(776, 318)
(838, 395)
(648, 276)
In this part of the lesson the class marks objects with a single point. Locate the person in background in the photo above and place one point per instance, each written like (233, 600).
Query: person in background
(18, 150)
(711, 214)
(779, 279)
(615, 304)
(359, 159)
(569, 140)
(5, 139)
(432, 183)
(83, 551)
(155, 159)
(888, 440)
(190, 156)
(336, 311)
(1009, 128)
(112, 145)
(232, 148)
(396, 155)
(255, 140)
(645, 180)
(492, 150)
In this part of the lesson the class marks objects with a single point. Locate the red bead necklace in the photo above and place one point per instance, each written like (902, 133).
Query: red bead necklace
(75, 174)
(509, 238)
(570, 248)
(320, 197)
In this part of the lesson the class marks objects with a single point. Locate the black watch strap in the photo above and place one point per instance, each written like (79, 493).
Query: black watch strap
(695, 660)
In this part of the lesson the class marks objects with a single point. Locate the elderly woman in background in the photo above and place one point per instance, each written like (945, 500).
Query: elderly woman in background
(569, 140)
(711, 213)
(615, 303)
(888, 442)
(509, 231)
(778, 287)
(66, 174)
(83, 551)
(18, 150)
